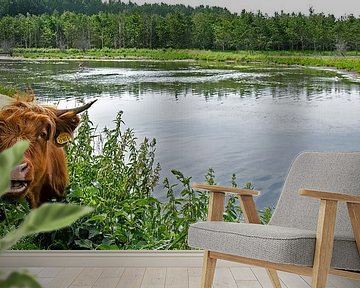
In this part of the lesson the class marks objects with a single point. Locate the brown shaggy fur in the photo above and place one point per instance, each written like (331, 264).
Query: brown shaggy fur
(40, 125)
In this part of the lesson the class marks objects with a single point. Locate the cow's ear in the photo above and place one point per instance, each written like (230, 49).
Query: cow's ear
(66, 122)
(65, 126)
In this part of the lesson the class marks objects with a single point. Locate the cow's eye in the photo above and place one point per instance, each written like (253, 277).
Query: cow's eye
(44, 135)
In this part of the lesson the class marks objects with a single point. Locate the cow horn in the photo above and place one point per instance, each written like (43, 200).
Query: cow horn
(76, 110)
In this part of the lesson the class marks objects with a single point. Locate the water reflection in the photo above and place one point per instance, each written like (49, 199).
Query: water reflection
(248, 120)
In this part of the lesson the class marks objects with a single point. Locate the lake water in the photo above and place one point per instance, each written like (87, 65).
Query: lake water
(248, 120)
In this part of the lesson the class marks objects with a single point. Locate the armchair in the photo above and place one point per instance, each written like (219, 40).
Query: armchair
(312, 232)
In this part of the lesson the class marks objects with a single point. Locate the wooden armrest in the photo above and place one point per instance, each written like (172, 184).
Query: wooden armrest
(330, 196)
(327, 219)
(216, 202)
(222, 189)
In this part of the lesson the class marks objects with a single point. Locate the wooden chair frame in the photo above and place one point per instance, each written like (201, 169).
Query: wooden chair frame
(324, 235)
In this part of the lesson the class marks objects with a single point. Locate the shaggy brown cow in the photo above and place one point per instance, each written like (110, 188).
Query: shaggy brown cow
(43, 172)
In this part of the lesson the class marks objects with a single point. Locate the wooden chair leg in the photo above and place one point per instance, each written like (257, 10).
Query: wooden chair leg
(354, 212)
(215, 213)
(274, 278)
(208, 270)
(324, 243)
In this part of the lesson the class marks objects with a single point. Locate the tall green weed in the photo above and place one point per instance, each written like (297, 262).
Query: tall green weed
(116, 174)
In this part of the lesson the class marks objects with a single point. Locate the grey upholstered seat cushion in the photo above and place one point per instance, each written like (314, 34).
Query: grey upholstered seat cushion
(270, 243)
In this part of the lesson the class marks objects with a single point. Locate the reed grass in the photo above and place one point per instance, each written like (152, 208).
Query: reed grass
(351, 62)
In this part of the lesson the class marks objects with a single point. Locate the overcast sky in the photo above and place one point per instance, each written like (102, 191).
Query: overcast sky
(336, 7)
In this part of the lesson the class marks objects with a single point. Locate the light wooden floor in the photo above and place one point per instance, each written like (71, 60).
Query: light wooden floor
(170, 277)
(143, 269)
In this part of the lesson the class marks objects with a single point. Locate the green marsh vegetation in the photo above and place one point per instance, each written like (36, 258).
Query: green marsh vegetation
(9, 91)
(205, 57)
(115, 173)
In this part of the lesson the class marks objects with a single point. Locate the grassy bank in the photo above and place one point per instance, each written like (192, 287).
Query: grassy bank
(351, 62)
(9, 91)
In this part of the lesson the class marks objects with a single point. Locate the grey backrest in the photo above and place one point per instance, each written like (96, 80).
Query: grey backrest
(325, 171)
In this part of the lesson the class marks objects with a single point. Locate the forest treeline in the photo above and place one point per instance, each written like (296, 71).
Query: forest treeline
(87, 24)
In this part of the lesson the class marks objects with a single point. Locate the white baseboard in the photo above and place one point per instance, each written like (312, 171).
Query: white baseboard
(127, 258)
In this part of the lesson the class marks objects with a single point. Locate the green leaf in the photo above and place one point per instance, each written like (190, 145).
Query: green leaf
(19, 279)
(107, 247)
(46, 218)
(53, 216)
(84, 243)
(100, 217)
(9, 158)
(93, 232)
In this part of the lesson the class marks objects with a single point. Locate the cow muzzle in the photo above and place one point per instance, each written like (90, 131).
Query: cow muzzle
(19, 180)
